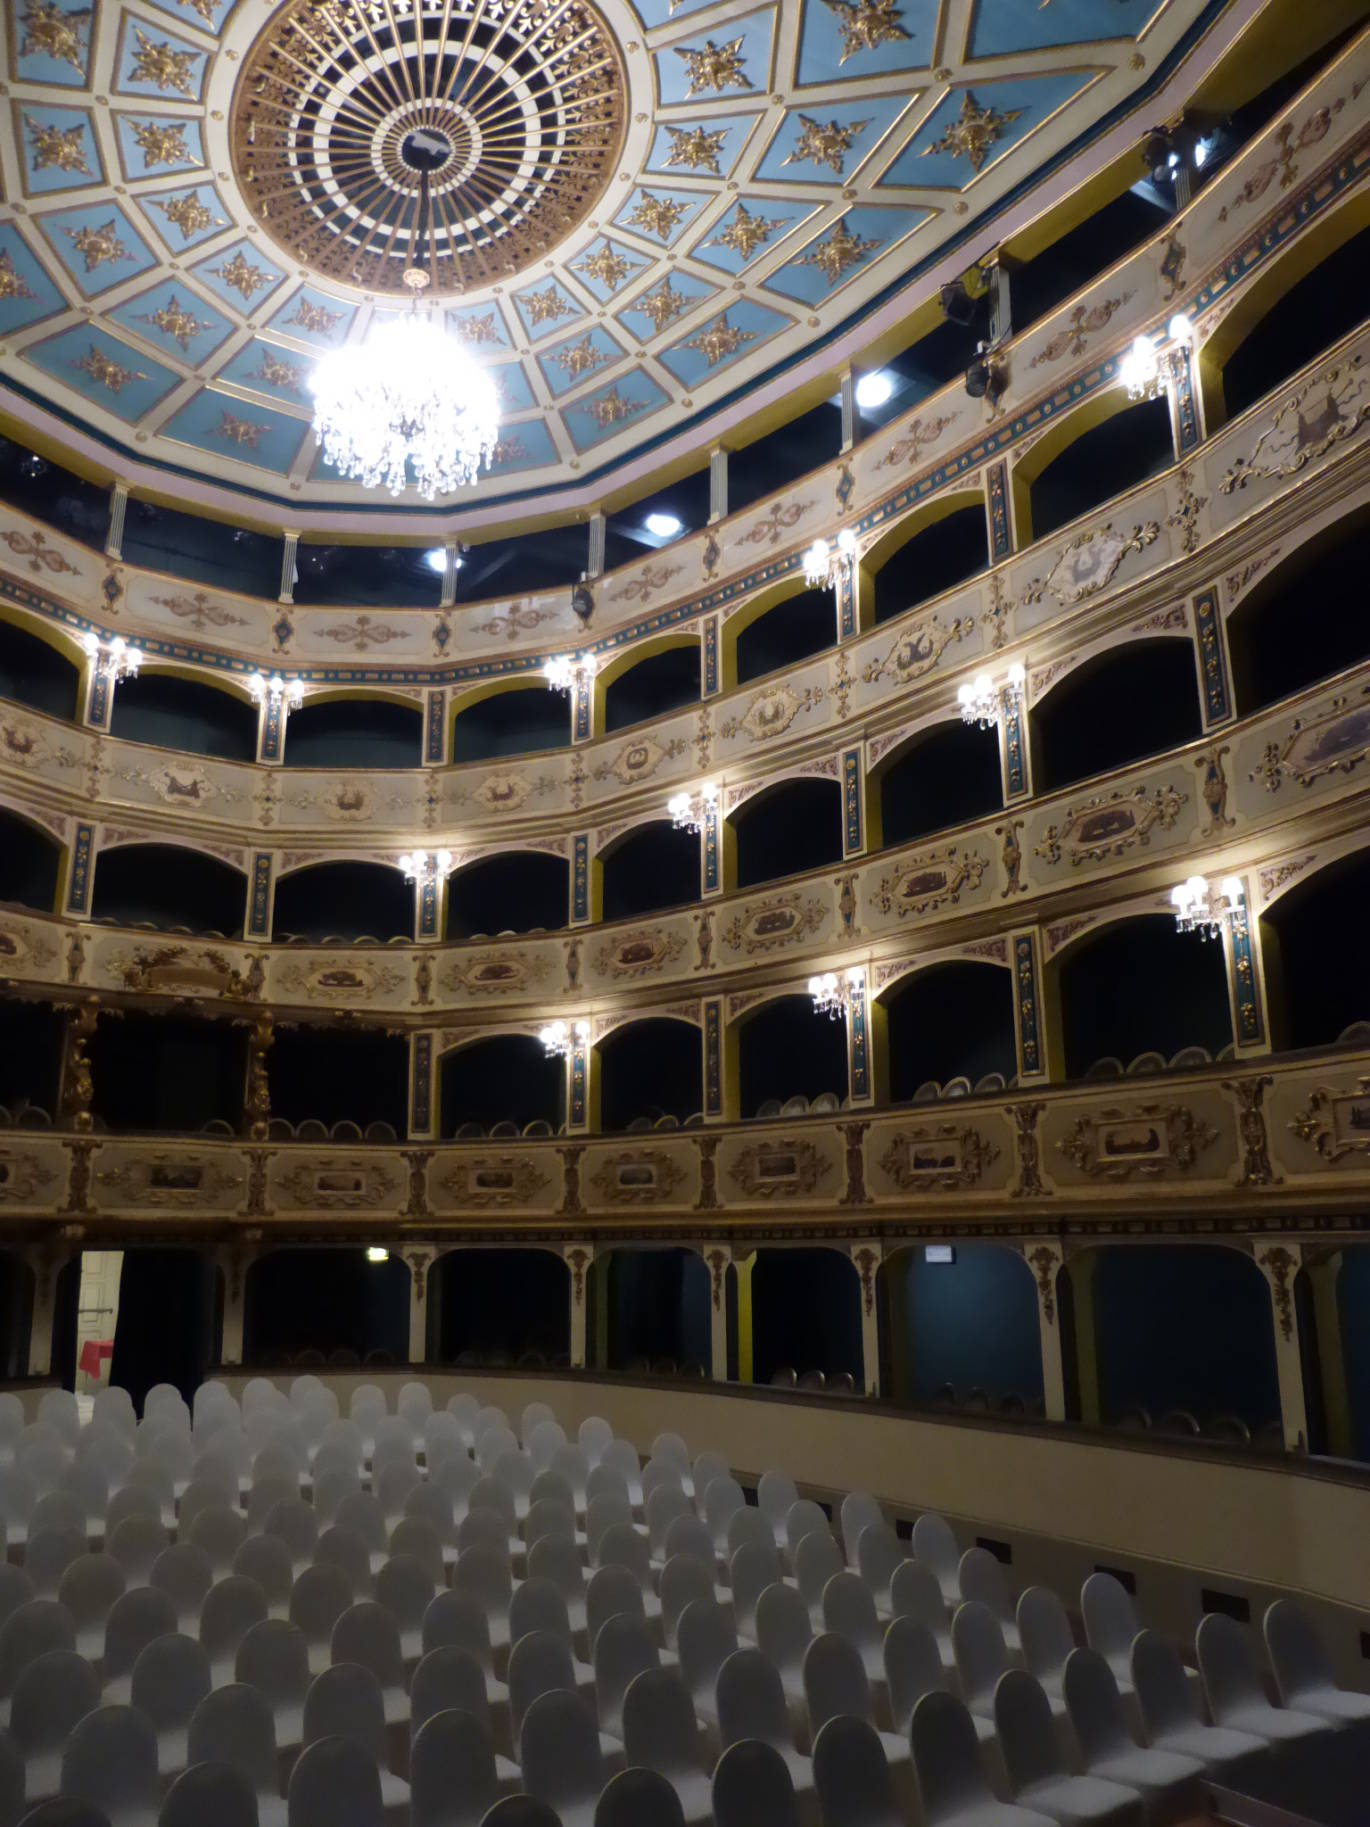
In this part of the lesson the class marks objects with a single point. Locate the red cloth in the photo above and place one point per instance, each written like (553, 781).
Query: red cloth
(93, 1354)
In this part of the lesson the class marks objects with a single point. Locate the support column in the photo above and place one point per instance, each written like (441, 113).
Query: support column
(1246, 979)
(417, 1258)
(744, 1266)
(1338, 1421)
(717, 1256)
(1082, 1291)
(451, 563)
(860, 1079)
(290, 545)
(118, 508)
(422, 1087)
(582, 1092)
(848, 403)
(579, 1259)
(1213, 658)
(594, 562)
(233, 1262)
(867, 1256)
(1031, 1028)
(1045, 1261)
(46, 1266)
(437, 728)
(718, 484)
(1279, 1263)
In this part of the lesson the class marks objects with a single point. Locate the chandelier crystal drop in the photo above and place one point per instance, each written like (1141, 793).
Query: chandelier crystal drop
(569, 672)
(287, 693)
(982, 701)
(113, 660)
(1203, 908)
(408, 403)
(689, 810)
(822, 564)
(832, 995)
(1155, 362)
(419, 866)
(556, 1037)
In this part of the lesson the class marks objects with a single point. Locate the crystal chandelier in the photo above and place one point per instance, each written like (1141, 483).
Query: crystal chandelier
(569, 672)
(982, 702)
(1152, 363)
(689, 810)
(285, 695)
(822, 565)
(556, 1037)
(418, 866)
(1202, 908)
(112, 660)
(409, 400)
(833, 994)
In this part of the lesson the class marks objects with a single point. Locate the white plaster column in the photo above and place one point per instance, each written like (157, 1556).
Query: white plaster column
(417, 1259)
(1280, 1262)
(1046, 1260)
(866, 1258)
(234, 1265)
(717, 1256)
(578, 1257)
(46, 1267)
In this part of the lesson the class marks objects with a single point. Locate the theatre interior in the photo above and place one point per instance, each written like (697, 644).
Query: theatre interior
(684, 1030)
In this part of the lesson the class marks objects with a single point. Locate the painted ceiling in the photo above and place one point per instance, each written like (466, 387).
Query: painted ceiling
(646, 209)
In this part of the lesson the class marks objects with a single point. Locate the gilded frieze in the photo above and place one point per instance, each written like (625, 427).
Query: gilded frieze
(26, 744)
(780, 1167)
(1335, 1123)
(937, 1157)
(505, 972)
(918, 649)
(1323, 413)
(1152, 1141)
(938, 879)
(334, 979)
(781, 919)
(1089, 563)
(638, 760)
(482, 1180)
(1111, 824)
(348, 1183)
(24, 1177)
(25, 949)
(637, 1176)
(178, 784)
(643, 952)
(771, 712)
(168, 1181)
(183, 970)
(1334, 742)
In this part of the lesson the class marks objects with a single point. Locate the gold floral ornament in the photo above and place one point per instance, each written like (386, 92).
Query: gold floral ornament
(49, 32)
(717, 66)
(105, 371)
(468, 329)
(974, 131)
(820, 145)
(11, 285)
(745, 233)
(315, 319)
(663, 304)
(612, 409)
(173, 320)
(580, 358)
(542, 307)
(164, 67)
(272, 371)
(97, 246)
(696, 148)
(719, 340)
(188, 214)
(57, 148)
(508, 450)
(657, 215)
(866, 24)
(841, 250)
(239, 273)
(239, 431)
(606, 266)
(162, 143)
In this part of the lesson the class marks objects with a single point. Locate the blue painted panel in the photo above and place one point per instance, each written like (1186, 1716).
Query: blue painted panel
(211, 421)
(205, 15)
(157, 63)
(314, 317)
(26, 292)
(563, 365)
(759, 226)
(547, 308)
(1015, 108)
(871, 230)
(793, 158)
(175, 320)
(629, 262)
(480, 326)
(683, 285)
(718, 138)
(1007, 25)
(242, 276)
(151, 145)
(59, 147)
(734, 334)
(738, 55)
(104, 370)
(267, 368)
(98, 246)
(660, 215)
(526, 445)
(639, 394)
(832, 31)
(50, 40)
(513, 391)
(185, 218)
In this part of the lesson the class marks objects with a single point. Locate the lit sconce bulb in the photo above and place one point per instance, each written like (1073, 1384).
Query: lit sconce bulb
(1180, 330)
(91, 642)
(377, 1253)
(846, 543)
(444, 861)
(1139, 370)
(582, 1030)
(1230, 888)
(1017, 676)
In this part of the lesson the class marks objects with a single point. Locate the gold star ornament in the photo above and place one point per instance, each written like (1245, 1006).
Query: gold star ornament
(974, 131)
(745, 233)
(105, 371)
(656, 215)
(866, 24)
(717, 341)
(696, 148)
(717, 66)
(820, 145)
(57, 148)
(841, 250)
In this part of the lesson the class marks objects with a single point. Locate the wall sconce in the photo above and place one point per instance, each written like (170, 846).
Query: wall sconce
(1156, 362)
(419, 867)
(285, 694)
(377, 1253)
(823, 564)
(556, 1037)
(832, 994)
(1202, 908)
(983, 702)
(689, 810)
(569, 672)
(112, 660)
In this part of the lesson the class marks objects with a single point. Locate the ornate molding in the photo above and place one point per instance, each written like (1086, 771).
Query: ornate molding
(941, 1157)
(637, 1176)
(1147, 1142)
(788, 1167)
(1336, 1123)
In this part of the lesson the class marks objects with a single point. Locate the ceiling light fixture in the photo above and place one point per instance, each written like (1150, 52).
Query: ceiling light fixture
(663, 526)
(409, 403)
(436, 559)
(874, 390)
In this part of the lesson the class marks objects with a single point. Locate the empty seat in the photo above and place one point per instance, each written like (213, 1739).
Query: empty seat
(559, 1751)
(1236, 1693)
(170, 1679)
(1303, 1673)
(661, 1734)
(751, 1784)
(335, 1783)
(110, 1761)
(952, 1784)
(1170, 1710)
(452, 1775)
(210, 1795)
(56, 1690)
(852, 1776)
(1167, 1780)
(1036, 1772)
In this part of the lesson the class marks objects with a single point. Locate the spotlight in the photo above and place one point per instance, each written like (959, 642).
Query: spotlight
(377, 1253)
(583, 601)
(873, 391)
(1159, 155)
(958, 307)
(663, 526)
(986, 377)
(436, 559)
